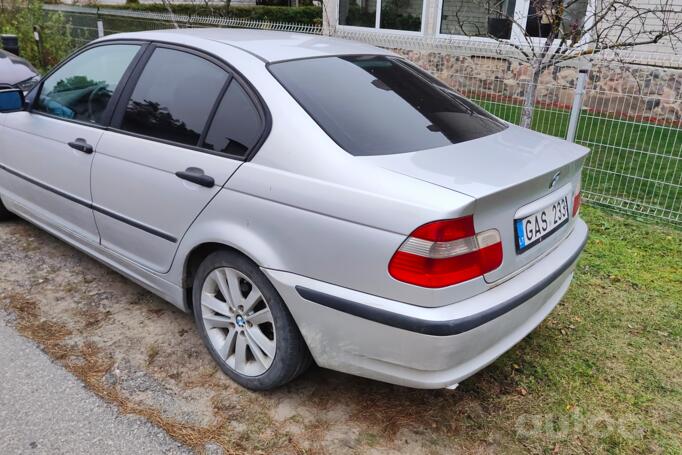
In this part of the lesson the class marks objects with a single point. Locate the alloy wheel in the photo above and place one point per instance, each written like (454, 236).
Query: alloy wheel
(238, 321)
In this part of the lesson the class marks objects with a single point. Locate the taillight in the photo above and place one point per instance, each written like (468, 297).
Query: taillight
(446, 252)
(577, 200)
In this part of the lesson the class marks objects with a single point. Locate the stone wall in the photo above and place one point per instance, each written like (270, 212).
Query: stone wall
(635, 92)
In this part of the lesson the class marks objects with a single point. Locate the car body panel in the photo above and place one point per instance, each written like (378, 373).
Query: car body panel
(414, 359)
(310, 214)
(36, 146)
(488, 165)
(135, 178)
(153, 282)
(266, 45)
(503, 172)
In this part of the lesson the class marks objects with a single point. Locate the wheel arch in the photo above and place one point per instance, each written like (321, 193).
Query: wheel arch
(226, 223)
(194, 259)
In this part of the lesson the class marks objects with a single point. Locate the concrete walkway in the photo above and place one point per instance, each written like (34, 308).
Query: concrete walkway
(45, 410)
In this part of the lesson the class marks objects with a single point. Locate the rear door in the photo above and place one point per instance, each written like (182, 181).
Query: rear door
(183, 126)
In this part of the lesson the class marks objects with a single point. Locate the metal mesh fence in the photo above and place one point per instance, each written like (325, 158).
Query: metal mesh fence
(636, 160)
(630, 114)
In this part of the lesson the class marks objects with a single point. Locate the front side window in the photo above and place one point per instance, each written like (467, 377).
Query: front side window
(173, 97)
(389, 14)
(237, 125)
(82, 89)
(378, 105)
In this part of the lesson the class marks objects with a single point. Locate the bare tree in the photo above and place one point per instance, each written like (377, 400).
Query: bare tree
(166, 4)
(558, 30)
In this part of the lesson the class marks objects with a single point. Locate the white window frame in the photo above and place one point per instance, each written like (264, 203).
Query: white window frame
(377, 21)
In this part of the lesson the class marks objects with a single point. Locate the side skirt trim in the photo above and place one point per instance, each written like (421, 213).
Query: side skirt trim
(88, 204)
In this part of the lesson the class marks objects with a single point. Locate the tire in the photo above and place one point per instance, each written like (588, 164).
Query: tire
(4, 213)
(257, 349)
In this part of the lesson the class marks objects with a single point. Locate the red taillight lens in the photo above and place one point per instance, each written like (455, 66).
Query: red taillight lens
(446, 252)
(446, 230)
(577, 200)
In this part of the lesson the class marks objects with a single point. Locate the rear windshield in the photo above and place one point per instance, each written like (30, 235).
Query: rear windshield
(379, 105)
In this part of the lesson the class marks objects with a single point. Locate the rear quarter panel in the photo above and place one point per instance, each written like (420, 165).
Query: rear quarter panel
(305, 206)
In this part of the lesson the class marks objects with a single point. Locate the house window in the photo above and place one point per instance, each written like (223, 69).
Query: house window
(492, 18)
(540, 12)
(360, 13)
(472, 18)
(384, 14)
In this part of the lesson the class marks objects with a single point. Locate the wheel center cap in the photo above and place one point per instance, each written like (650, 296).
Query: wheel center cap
(240, 320)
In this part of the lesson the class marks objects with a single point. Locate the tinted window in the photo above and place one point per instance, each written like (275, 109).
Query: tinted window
(173, 97)
(82, 88)
(375, 105)
(237, 124)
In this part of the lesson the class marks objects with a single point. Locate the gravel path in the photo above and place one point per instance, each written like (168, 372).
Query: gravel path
(45, 410)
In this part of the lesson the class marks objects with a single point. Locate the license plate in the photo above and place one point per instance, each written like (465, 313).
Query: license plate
(534, 228)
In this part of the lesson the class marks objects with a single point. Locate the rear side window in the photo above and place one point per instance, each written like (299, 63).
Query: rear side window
(379, 105)
(237, 125)
(173, 97)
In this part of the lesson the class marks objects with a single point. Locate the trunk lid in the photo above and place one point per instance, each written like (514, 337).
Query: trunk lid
(509, 174)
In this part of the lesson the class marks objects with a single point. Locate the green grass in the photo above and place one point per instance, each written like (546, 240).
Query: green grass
(602, 374)
(609, 355)
(629, 161)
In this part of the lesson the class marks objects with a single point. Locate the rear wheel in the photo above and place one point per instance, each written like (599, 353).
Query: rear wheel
(245, 324)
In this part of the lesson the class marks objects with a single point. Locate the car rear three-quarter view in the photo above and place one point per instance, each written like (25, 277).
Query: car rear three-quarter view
(351, 209)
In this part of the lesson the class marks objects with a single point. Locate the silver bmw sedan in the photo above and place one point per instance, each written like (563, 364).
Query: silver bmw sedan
(308, 199)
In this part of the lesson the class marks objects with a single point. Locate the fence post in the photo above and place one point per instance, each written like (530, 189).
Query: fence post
(39, 44)
(580, 85)
(100, 28)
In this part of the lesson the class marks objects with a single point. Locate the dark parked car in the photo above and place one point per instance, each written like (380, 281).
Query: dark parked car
(17, 72)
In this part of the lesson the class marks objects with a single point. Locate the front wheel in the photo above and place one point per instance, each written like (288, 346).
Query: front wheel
(245, 324)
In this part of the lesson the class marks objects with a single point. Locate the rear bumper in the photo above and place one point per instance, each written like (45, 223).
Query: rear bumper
(422, 347)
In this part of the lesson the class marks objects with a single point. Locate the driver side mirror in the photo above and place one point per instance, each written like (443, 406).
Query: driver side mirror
(11, 100)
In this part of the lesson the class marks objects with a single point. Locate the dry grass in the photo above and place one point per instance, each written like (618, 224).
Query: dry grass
(88, 363)
(152, 353)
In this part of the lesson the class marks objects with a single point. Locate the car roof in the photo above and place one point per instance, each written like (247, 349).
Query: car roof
(268, 45)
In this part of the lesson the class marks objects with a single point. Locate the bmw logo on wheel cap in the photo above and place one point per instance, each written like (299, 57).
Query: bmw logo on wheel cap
(240, 321)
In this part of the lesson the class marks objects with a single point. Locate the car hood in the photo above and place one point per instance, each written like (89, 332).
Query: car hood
(14, 69)
(487, 165)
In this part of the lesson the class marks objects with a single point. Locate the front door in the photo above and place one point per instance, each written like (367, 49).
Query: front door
(47, 153)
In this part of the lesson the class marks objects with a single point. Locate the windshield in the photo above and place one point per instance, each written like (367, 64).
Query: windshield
(379, 105)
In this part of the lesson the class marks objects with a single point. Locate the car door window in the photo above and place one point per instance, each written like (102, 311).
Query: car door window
(82, 89)
(174, 97)
(237, 125)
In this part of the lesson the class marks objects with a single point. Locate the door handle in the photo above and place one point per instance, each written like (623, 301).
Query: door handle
(81, 145)
(196, 175)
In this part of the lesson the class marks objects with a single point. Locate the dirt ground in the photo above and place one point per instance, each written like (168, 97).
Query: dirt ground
(142, 354)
